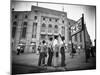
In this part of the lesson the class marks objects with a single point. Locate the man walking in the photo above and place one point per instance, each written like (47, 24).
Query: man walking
(42, 54)
(18, 50)
(62, 51)
(50, 53)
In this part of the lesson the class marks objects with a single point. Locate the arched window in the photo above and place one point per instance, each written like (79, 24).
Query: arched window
(43, 25)
(34, 30)
(24, 29)
(43, 18)
(50, 26)
(26, 16)
(14, 27)
(24, 32)
(56, 27)
(63, 30)
(25, 24)
(35, 17)
(15, 23)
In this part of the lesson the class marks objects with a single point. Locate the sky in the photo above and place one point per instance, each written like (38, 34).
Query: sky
(74, 12)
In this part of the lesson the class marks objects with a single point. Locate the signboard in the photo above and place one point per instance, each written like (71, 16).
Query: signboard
(77, 27)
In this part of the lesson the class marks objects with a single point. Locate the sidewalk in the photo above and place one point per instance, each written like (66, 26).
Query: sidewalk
(76, 63)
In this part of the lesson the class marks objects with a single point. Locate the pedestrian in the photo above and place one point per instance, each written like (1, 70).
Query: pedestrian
(56, 52)
(50, 53)
(62, 51)
(92, 51)
(79, 49)
(73, 51)
(39, 48)
(42, 54)
(18, 49)
(87, 53)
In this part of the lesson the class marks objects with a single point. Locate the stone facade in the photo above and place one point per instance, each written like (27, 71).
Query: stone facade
(38, 24)
(78, 39)
(31, 27)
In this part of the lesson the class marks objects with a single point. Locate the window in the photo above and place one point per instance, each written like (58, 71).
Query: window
(26, 16)
(34, 30)
(15, 23)
(16, 16)
(50, 19)
(56, 27)
(63, 21)
(14, 29)
(63, 30)
(25, 23)
(43, 25)
(35, 17)
(43, 18)
(36, 11)
(24, 32)
(13, 32)
(43, 36)
(50, 26)
(24, 29)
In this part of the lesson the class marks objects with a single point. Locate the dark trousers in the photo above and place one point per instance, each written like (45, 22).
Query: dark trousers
(62, 56)
(63, 59)
(50, 58)
(87, 54)
(92, 52)
(18, 51)
(41, 58)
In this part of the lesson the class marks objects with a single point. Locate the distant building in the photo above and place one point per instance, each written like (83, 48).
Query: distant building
(31, 27)
(78, 39)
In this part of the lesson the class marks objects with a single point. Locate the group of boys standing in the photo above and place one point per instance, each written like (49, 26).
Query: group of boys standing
(52, 50)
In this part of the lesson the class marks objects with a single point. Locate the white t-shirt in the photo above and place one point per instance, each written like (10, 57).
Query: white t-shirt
(55, 42)
(60, 41)
(18, 47)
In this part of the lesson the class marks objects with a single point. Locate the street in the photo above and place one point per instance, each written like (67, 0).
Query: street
(28, 63)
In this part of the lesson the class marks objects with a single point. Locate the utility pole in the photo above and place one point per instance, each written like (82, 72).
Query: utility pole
(83, 26)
